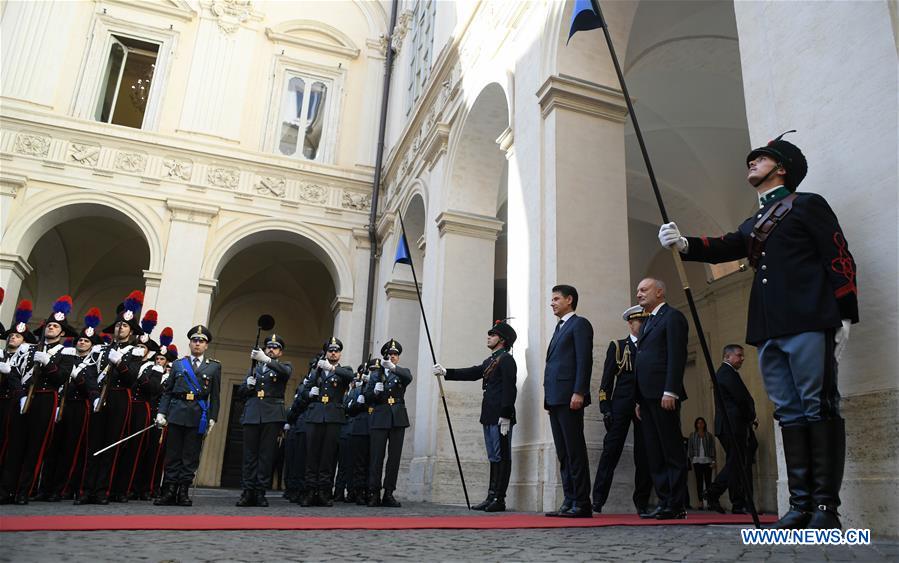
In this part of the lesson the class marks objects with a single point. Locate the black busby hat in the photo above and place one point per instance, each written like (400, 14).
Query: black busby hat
(61, 309)
(171, 353)
(199, 331)
(23, 314)
(128, 311)
(787, 155)
(92, 320)
(333, 342)
(505, 331)
(274, 340)
(391, 346)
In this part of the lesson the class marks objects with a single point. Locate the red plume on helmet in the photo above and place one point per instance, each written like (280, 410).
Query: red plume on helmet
(134, 301)
(92, 319)
(2, 295)
(63, 305)
(166, 336)
(22, 315)
(24, 311)
(148, 323)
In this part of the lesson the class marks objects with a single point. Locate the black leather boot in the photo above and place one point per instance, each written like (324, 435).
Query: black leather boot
(491, 491)
(361, 497)
(307, 498)
(324, 498)
(797, 454)
(260, 499)
(828, 444)
(167, 496)
(711, 496)
(503, 473)
(388, 500)
(247, 498)
(350, 496)
(183, 497)
(340, 496)
(374, 497)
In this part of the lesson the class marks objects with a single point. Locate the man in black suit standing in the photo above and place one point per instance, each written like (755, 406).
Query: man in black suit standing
(732, 430)
(566, 389)
(661, 358)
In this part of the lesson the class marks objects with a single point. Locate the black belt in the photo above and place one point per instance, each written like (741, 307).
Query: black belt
(189, 396)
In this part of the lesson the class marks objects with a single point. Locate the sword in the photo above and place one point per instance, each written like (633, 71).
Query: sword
(138, 433)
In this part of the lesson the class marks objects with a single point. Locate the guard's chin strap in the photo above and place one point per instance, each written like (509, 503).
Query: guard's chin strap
(768, 175)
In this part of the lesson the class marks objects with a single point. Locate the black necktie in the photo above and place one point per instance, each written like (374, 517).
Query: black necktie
(647, 324)
(558, 327)
(196, 364)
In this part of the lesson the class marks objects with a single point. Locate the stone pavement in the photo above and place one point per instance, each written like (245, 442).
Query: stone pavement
(616, 543)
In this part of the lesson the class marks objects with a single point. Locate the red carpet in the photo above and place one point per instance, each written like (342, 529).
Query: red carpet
(173, 521)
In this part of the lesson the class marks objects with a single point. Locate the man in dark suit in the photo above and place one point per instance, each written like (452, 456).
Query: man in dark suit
(566, 390)
(617, 398)
(189, 406)
(661, 358)
(262, 419)
(803, 301)
(734, 416)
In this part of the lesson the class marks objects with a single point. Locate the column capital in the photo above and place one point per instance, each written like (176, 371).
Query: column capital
(468, 224)
(190, 212)
(18, 265)
(506, 142)
(152, 279)
(580, 96)
(401, 289)
(341, 304)
(207, 285)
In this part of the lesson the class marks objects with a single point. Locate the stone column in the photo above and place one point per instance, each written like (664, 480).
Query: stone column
(179, 289)
(13, 271)
(585, 228)
(10, 184)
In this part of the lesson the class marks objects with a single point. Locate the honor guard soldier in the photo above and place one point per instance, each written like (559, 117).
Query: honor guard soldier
(617, 398)
(147, 385)
(325, 414)
(360, 446)
(64, 462)
(149, 471)
(262, 419)
(803, 300)
(109, 380)
(498, 374)
(385, 395)
(10, 378)
(40, 378)
(189, 408)
(296, 437)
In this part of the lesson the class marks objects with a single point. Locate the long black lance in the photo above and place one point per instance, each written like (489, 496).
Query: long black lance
(583, 19)
(407, 259)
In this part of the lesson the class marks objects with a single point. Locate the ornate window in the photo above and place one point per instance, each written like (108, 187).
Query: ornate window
(304, 113)
(125, 84)
(422, 47)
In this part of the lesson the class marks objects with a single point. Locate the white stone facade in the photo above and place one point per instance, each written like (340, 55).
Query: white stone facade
(513, 163)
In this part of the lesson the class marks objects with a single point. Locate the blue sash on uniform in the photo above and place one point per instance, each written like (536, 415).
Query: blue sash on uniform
(195, 386)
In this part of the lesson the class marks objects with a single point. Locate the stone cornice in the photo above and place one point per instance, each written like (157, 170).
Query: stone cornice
(341, 303)
(20, 267)
(385, 224)
(152, 279)
(468, 224)
(10, 184)
(582, 97)
(435, 144)
(321, 46)
(401, 289)
(191, 212)
(177, 8)
(207, 285)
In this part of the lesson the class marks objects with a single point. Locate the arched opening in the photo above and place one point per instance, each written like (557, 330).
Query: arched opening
(97, 259)
(275, 273)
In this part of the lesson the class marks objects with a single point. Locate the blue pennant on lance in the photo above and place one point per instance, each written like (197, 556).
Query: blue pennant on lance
(402, 251)
(584, 18)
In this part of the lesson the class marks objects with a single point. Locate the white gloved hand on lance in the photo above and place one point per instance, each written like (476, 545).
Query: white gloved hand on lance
(251, 381)
(161, 420)
(115, 357)
(505, 424)
(438, 370)
(259, 356)
(670, 235)
(387, 364)
(841, 338)
(379, 387)
(360, 399)
(314, 392)
(42, 358)
(325, 365)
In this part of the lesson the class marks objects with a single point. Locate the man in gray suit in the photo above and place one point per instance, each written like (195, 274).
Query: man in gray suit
(566, 389)
(262, 419)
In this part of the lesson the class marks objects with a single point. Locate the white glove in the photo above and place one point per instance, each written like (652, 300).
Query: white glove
(366, 377)
(313, 392)
(69, 352)
(22, 405)
(138, 351)
(841, 338)
(505, 425)
(669, 235)
(115, 356)
(97, 348)
(5, 368)
(97, 404)
(42, 358)
(161, 420)
(379, 386)
(209, 427)
(158, 369)
(438, 370)
(388, 364)
(325, 365)
(360, 399)
(286, 427)
(251, 381)
(259, 356)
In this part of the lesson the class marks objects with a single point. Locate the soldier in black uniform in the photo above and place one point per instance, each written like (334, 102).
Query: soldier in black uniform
(64, 461)
(10, 378)
(189, 408)
(296, 438)
(147, 385)
(109, 381)
(263, 418)
(360, 446)
(324, 390)
(803, 301)
(385, 395)
(498, 374)
(149, 470)
(617, 399)
(40, 377)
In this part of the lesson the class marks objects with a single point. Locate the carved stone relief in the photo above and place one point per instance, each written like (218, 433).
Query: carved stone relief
(130, 161)
(313, 193)
(177, 169)
(270, 185)
(222, 177)
(32, 145)
(359, 202)
(83, 153)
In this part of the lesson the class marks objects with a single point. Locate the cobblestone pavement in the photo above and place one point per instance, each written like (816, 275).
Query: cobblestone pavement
(614, 543)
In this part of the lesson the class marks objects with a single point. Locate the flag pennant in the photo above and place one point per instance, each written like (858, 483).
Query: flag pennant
(584, 18)
(402, 251)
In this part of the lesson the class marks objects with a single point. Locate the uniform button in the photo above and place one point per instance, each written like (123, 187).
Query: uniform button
(759, 216)
(764, 267)
(764, 281)
(763, 254)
